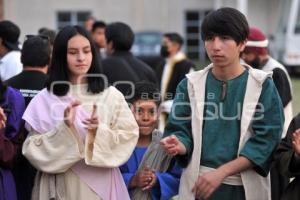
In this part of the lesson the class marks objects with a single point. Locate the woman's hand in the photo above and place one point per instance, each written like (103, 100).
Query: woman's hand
(92, 123)
(70, 113)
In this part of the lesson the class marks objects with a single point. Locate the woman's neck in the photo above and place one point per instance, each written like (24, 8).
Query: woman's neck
(78, 80)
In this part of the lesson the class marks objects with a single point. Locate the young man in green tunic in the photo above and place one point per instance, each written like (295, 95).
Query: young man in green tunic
(226, 119)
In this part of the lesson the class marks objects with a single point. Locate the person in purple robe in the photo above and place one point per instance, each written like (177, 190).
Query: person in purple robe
(12, 106)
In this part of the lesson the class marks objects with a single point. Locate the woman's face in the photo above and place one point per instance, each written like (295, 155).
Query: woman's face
(79, 58)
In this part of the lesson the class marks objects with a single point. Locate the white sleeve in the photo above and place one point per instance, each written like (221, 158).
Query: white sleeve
(114, 142)
(53, 152)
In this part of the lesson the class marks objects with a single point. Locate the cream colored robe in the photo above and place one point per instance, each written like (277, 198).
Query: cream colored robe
(165, 82)
(56, 151)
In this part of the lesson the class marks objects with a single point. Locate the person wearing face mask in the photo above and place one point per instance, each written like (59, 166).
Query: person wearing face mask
(171, 71)
(256, 54)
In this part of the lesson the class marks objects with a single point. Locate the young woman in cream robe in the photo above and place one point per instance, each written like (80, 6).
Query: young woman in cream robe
(80, 130)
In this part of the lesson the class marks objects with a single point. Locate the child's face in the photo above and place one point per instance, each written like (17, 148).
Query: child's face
(146, 115)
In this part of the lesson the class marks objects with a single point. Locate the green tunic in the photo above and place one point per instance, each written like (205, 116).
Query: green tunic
(221, 127)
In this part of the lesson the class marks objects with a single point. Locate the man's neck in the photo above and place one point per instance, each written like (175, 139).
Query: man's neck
(42, 69)
(228, 73)
(172, 54)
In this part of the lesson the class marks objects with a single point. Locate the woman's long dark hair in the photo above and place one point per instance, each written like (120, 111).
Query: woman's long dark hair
(59, 67)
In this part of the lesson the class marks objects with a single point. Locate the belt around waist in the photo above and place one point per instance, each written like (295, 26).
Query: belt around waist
(230, 180)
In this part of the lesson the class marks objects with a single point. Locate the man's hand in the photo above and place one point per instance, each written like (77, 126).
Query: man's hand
(207, 183)
(173, 146)
(296, 143)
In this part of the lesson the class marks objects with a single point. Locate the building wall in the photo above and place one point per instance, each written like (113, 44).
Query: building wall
(163, 15)
(263, 14)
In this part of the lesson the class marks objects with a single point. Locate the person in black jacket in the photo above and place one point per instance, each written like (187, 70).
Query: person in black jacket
(120, 38)
(287, 159)
(119, 74)
(175, 65)
(35, 57)
(171, 71)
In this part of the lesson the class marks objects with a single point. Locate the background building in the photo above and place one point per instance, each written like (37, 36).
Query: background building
(183, 16)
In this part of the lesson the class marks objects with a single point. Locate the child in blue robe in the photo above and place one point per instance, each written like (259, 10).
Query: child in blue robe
(149, 173)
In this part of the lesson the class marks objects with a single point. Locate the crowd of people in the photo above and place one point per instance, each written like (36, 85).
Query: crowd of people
(81, 117)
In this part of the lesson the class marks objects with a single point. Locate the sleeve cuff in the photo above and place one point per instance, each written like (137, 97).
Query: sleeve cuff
(261, 169)
(183, 160)
(127, 177)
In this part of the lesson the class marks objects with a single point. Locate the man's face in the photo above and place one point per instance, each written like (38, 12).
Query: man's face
(223, 51)
(88, 24)
(166, 42)
(99, 37)
(251, 59)
(171, 47)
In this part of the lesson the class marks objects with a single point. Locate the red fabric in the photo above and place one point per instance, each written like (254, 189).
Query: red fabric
(7, 151)
(256, 35)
